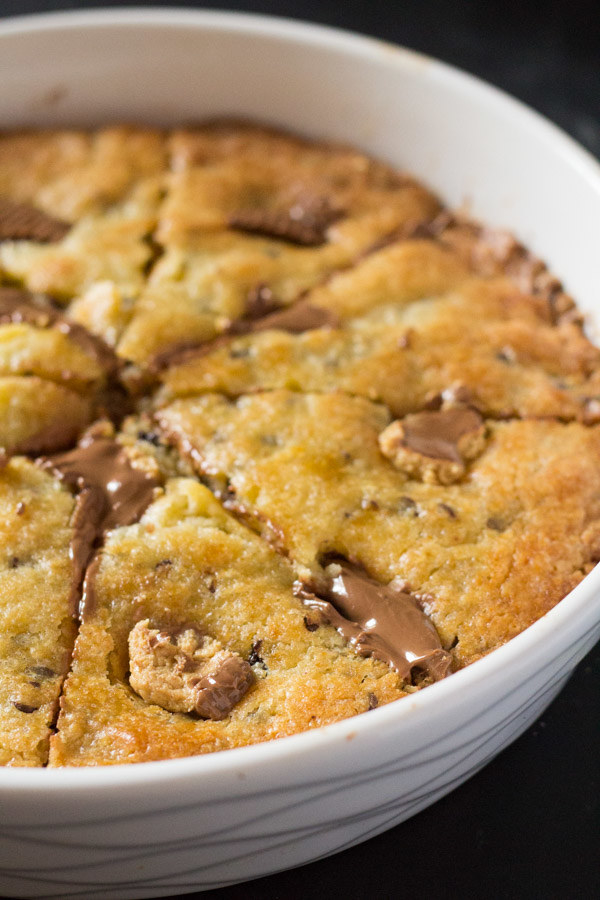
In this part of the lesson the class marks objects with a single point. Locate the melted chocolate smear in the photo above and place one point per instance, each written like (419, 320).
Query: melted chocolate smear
(23, 222)
(219, 691)
(378, 620)
(18, 306)
(57, 436)
(305, 222)
(299, 317)
(110, 493)
(260, 302)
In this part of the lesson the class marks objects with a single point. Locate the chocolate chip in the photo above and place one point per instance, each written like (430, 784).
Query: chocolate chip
(507, 355)
(373, 701)
(367, 503)
(14, 562)
(150, 437)
(448, 510)
(496, 523)
(309, 625)
(23, 222)
(21, 507)
(255, 658)
(40, 671)
(433, 402)
(407, 505)
(163, 563)
(23, 707)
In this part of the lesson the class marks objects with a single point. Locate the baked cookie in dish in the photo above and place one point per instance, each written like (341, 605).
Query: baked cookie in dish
(282, 440)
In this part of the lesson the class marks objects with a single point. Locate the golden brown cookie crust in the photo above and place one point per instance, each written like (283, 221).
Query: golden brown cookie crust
(310, 360)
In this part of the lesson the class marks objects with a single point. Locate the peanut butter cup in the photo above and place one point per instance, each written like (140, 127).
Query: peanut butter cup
(22, 222)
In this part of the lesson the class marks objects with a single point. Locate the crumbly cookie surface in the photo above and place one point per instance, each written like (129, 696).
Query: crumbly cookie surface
(188, 561)
(37, 618)
(491, 553)
(312, 372)
(509, 356)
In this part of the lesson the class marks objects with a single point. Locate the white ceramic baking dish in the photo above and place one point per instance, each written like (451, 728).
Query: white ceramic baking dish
(171, 827)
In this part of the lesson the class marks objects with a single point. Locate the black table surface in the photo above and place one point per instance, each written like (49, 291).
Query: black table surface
(528, 825)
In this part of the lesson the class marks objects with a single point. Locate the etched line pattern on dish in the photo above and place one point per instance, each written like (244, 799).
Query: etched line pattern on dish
(403, 807)
(191, 843)
(18, 833)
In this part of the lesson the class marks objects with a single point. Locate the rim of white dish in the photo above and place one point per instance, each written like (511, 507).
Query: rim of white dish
(582, 605)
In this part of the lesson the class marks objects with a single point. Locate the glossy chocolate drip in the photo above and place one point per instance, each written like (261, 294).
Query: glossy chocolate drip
(437, 434)
(110, 493)
(18, 306)
(378, 620)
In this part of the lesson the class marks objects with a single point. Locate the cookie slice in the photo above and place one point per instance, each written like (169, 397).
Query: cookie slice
(37, 618)
(54, 375)
(486, 339)
(200, 289)
(489, 553)
(259, 180)
(185, 596)
(237, 229)
(77, 208)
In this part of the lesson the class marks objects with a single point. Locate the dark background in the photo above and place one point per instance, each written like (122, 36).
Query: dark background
(528, 825)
